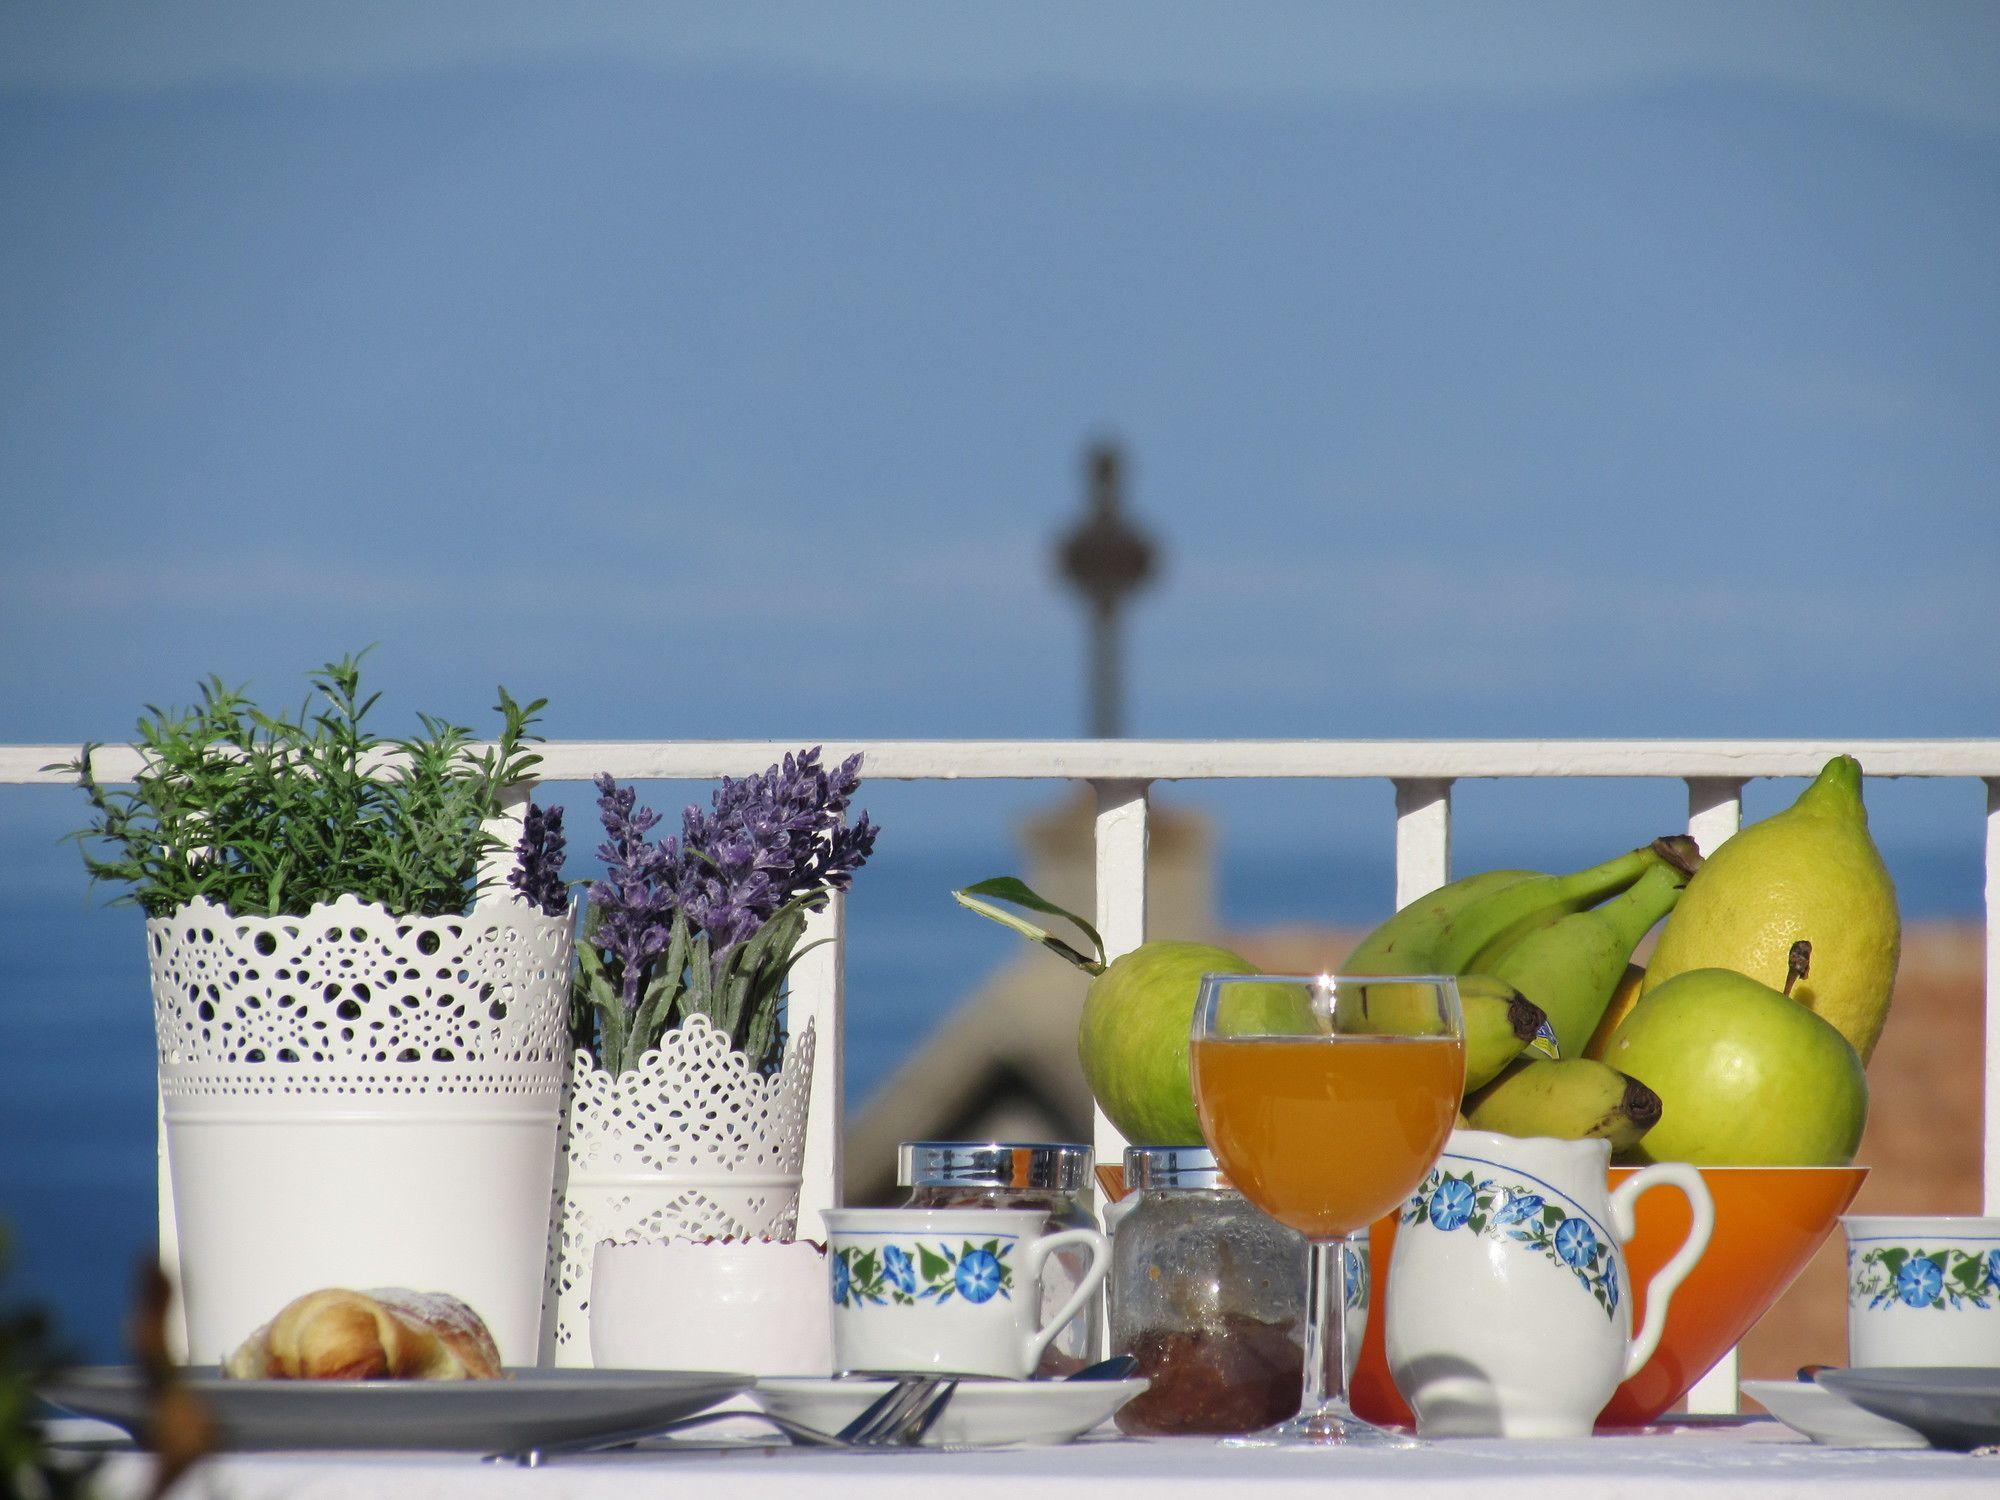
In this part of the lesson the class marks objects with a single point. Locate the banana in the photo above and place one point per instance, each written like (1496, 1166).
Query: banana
(1500, 917)
(1624, 995)
(1576, 1099)
(1676, 848)
(1499, 1022)
(1405, 944)
(1570, 967)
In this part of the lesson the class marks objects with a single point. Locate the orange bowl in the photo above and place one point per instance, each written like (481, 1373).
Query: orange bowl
(1769, 1221)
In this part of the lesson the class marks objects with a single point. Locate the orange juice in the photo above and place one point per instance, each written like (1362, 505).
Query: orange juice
(1327, 1135)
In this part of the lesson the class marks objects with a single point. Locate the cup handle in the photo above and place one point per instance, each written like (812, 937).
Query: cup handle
(1660, 1290)
(1037, 1257)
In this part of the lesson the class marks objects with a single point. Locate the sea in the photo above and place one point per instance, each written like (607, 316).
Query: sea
(76, 1047)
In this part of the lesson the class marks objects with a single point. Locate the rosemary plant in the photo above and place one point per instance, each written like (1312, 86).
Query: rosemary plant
(268, 814)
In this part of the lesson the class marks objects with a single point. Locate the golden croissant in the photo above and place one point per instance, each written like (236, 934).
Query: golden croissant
(386, 1334)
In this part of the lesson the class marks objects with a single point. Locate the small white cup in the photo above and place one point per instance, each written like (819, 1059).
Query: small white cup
(948, 1290)
(1922, 1291)
(755, 1305)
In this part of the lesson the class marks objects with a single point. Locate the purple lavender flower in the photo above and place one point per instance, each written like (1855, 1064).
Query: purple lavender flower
(538, 860)
(635, 899)
(768, 840)
(764, 842)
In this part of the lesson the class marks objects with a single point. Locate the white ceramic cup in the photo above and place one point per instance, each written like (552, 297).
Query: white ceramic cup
(948, 1290)
(754, 1305)
(1922, 1291)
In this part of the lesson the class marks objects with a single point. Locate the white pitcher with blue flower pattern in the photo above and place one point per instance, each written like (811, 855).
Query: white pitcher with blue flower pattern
(1509, 1308)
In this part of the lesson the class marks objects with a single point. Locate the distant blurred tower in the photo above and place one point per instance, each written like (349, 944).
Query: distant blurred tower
(1108, 559)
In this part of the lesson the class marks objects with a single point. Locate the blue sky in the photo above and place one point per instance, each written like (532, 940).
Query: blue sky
(723, 371)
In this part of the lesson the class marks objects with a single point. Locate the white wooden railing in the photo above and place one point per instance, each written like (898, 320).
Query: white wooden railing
(1122, 772)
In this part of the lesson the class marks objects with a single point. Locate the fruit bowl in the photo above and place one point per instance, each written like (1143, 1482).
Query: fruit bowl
(1769, 1221)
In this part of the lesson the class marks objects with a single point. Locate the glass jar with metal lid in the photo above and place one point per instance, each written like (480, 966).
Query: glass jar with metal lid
(1208, 1294)
(1052, 1176)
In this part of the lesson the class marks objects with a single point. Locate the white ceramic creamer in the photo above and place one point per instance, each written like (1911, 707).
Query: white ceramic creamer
(1509, 1306)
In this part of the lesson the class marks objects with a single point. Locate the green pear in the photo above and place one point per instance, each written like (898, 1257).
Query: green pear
(1134, 1039)
(1747, 1076)
(1810, 871)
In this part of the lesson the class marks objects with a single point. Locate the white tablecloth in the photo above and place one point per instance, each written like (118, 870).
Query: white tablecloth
(1755, 1459)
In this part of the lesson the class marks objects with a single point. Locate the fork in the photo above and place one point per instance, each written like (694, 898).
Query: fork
(900, 1416)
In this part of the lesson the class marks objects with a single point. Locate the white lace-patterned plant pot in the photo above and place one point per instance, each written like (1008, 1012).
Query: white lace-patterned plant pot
(693, 1143)
(358, 1099)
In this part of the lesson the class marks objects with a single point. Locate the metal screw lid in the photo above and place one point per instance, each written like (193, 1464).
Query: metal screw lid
(1152, 1167)
(1055, 1166)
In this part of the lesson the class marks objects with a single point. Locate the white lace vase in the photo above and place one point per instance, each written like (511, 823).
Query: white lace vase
(354, 1098)
(693, 1143)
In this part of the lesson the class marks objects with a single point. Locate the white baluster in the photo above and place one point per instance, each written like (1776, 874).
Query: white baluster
(1423, 838)
(1121, 901)
(819, 995)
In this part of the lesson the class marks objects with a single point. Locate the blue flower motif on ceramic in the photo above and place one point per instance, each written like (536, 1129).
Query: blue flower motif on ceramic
(1575, 1242)
(1517, 1207)
(1356, 1276)
(1451, 1204)
(978, 1275)
(1911, 1276)
(907, 1275)
(1493, 1210)
(1919, 1281)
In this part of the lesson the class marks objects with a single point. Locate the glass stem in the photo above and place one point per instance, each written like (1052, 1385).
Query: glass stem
(1326, 1330)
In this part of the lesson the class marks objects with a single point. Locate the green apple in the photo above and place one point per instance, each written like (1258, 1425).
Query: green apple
(1748, 1076)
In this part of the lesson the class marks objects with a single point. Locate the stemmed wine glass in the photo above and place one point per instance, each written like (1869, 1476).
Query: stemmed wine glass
(1325, 1101)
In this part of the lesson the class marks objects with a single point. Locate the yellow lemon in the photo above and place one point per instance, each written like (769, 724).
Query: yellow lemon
(1811, 872)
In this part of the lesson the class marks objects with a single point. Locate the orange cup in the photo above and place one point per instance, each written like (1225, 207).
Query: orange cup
(1769, 1221)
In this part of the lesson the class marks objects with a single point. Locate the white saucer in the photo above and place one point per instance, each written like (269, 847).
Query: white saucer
(982, 1413)
(1829, 1418)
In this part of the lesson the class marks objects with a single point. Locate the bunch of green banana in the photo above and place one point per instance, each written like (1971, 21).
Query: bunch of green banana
(1530, 946)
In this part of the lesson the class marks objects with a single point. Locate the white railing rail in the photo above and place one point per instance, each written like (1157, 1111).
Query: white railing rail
(1122, 772)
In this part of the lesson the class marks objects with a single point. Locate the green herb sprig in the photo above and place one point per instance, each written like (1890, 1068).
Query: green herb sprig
(267, 815)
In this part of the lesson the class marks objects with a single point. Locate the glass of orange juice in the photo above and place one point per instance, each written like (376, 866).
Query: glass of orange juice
(1326, 1100)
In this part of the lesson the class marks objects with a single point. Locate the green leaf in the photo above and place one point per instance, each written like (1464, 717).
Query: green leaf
(1016, 893)
(661, 999)
(931, 1263)
(1552, 1216)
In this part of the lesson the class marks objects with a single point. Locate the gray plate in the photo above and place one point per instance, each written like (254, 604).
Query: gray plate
(528, 1407)
(1954, 1408)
